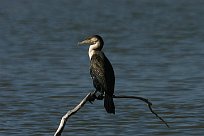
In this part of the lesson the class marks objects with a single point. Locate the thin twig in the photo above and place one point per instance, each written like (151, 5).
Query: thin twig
(148, 103)
(134, 97)
(150, 107)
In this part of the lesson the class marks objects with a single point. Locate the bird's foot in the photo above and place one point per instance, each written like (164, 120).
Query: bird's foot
(99, 97)
(92, 98)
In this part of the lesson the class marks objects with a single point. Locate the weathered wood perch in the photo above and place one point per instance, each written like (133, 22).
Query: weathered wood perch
(91, 97)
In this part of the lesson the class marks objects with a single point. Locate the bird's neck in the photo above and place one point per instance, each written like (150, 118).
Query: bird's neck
(93, 48)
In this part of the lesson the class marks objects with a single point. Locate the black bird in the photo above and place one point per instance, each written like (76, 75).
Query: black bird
(101, 71)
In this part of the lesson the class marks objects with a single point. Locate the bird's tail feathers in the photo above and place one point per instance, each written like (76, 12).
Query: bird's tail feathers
(109, 104)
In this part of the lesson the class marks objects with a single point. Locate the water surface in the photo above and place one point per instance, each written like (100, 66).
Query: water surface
(156, 49)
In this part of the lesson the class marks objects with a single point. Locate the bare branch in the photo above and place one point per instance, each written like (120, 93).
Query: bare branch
(91, 97)
(70, 113)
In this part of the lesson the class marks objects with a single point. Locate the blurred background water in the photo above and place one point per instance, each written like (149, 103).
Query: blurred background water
(156, 49)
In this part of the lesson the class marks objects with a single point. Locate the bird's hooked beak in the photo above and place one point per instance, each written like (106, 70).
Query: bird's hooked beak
(85, 42)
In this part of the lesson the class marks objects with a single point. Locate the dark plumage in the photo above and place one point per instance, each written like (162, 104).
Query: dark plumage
(101, 71)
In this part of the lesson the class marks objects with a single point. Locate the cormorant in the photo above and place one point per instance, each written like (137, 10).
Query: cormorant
(101, 71)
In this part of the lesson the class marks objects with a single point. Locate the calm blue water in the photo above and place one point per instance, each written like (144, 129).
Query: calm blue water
(156, 49)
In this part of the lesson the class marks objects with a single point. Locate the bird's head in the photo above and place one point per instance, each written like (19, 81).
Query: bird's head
(95, 41)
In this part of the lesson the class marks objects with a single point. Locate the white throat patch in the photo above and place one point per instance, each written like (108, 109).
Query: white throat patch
(92, 49)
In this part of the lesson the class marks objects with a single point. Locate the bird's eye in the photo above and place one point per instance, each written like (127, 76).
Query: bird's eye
(94, 40)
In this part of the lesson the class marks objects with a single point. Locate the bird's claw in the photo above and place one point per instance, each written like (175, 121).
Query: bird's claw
(100, 97)
(92, 98)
